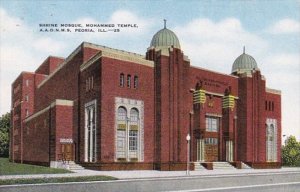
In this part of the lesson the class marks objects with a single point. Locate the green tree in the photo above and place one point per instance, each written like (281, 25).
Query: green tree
(291, 152)
(4, 135)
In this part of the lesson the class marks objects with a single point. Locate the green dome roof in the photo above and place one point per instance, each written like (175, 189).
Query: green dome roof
(165, 38)
(244, 63)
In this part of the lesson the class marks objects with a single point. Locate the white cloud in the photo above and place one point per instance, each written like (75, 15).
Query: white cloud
(283, 62)
(23, 49)
(285, 26)
(220, 42)
(20, 50)
(9, 24)
(118, 17)
(49, 45)
(282, 72)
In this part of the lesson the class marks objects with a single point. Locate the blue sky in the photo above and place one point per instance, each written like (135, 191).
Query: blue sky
(211, 33)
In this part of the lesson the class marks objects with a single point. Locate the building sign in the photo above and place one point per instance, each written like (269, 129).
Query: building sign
(213, 82)
(65, 140)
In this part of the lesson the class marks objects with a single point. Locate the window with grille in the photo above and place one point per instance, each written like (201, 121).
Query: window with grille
(133, 140)
(212, 124)
(128, 81)
(136, 82)
(121, 80)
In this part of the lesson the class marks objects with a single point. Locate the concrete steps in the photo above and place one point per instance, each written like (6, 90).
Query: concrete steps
(71, 165)
(198, 166)
(245, 166)
(222, 165)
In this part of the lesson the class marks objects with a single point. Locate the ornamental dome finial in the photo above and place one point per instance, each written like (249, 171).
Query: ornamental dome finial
(244, 63)
(165, 38)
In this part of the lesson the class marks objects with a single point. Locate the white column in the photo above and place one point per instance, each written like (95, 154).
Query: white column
(202, 149)
(139, 139)
(86, 136)
(94, 133)
(91, 134)
(127, 136)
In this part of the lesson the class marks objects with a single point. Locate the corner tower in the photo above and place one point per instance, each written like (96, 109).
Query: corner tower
(171, 88)
(250, 110)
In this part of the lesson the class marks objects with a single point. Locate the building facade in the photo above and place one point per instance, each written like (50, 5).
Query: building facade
(109, 109)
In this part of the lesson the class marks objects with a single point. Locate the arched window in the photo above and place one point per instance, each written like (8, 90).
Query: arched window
(133, 134)
(122, 113)
(136, 82)
(128, 81)
(121, 133)
(271, 143)
(134, 114)
(121, 80)
(129, 133)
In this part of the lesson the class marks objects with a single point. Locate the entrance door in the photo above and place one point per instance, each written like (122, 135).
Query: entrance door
(211, 149)
(67, 152)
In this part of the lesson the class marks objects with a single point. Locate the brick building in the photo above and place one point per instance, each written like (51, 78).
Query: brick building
(110, 109)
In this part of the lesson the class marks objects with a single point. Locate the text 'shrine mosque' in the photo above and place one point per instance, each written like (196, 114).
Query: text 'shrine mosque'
(109, 109)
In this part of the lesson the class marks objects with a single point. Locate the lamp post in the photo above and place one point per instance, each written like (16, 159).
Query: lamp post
(188, 138)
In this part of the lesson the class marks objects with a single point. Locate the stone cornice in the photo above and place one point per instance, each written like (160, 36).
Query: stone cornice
(77, 50)
(273, 91)
(214, 72)
(104, 48)
(91, 61)
(116, 55)
(57, 102)
(127, 57)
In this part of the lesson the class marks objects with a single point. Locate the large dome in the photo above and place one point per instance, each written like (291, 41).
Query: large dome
(244, 63)
(165, 38)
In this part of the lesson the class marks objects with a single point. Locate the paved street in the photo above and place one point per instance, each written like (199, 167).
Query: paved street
(292, 186)
(217, 180)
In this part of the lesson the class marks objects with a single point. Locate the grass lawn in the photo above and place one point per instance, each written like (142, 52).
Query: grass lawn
(9, 168)
(56, 180)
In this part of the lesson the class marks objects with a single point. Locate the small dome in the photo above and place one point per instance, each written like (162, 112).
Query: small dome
(165, 38)
(244, 63)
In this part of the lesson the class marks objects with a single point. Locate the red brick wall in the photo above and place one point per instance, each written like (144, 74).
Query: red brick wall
(85, 97)
(251, 119)
(63, 125)
(172, 111)
(88, 53)
(38, 144)
(49, 65)
(36, 139)
(110, 73)
(218, 84)
(275, 113)
(38, 78)
(165, 91)
(106, 74)
(19, 110)
(16, 120)
(62, 85)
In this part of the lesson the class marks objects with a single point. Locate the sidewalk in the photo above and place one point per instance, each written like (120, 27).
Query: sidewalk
(147, 174)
